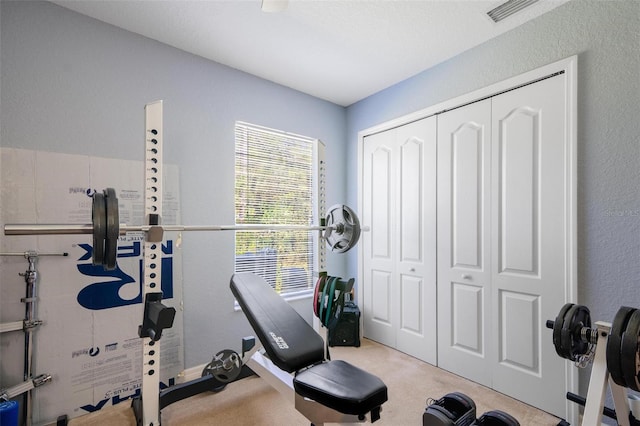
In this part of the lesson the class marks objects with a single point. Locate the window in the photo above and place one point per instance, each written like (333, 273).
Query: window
(274, 184)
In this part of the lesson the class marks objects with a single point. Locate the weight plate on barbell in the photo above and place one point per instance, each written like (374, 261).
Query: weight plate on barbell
(113, 229)
(577, 317)
(629, 359)
(557, 331)
(343, 228)
(99, 221)
(614, 344)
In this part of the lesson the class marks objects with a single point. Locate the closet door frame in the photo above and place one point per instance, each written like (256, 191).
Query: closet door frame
(568, 67)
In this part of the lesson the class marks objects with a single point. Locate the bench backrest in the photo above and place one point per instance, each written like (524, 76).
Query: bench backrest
(290, 342)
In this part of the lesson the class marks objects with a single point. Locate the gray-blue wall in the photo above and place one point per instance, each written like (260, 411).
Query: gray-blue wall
(72, 84)
(606, 37)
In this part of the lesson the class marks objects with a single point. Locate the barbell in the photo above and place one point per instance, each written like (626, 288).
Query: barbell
(341, 228)
(573, 339)
(573, 336)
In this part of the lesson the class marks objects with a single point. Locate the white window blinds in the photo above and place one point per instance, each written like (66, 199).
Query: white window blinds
(274, 185)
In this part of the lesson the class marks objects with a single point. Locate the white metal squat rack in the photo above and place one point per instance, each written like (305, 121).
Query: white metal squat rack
(147, 409)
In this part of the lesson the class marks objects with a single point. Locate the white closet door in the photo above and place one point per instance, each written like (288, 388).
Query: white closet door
(416, 273)
(529, 233)
(400, 251)
(464, 242)
(379, 245)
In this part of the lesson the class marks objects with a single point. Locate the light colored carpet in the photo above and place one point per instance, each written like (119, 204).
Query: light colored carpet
(252, 402)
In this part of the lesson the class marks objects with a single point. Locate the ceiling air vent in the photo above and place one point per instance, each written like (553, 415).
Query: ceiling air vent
(509, 8)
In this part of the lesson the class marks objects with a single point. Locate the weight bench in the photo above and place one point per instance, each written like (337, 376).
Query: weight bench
(325, 391)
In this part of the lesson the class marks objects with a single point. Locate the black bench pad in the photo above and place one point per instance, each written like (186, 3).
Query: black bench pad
(293, 345)
(290, 342)
(342, 387)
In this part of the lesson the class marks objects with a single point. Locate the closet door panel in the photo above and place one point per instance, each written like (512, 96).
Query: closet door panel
(381, 220)
(466, 191)
(518, 191)
(411, 291)
(379, 245)
(381, 282)
(417, 332)
(529, 272)
(467, 318)
(464, 302)
(519, 329)
(411, 200)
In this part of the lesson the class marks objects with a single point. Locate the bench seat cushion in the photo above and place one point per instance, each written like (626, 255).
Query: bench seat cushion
(342, 387)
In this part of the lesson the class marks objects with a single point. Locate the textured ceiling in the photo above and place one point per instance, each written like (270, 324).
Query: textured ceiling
(338, 50)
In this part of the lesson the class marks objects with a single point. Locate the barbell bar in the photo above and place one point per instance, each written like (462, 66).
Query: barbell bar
(70, 229)
(341, 228)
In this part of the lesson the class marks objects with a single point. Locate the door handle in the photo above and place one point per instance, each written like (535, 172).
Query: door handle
(466, 276)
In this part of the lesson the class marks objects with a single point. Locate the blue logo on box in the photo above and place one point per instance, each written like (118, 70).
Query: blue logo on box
(105, 293)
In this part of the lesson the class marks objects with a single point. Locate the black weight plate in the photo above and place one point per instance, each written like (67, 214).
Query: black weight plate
(614, 344)
(583, 319)
(225, 366)
(629, 352)
(99, 221)
(577, 317)
(557, 331)
(216, 385)
(113, 229)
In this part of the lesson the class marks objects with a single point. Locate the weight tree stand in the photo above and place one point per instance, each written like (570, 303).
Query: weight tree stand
(613, 351)
(28, 325)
